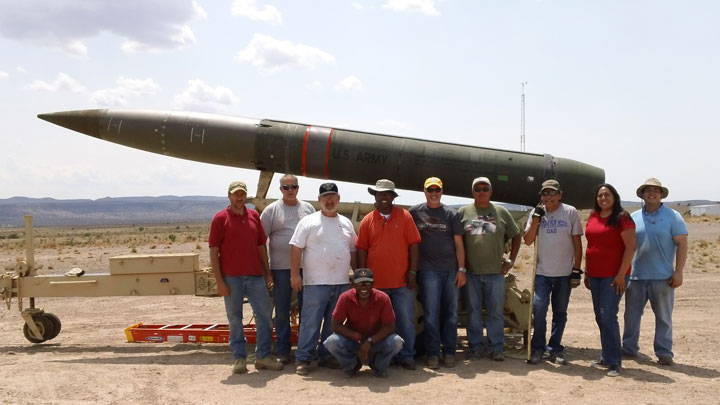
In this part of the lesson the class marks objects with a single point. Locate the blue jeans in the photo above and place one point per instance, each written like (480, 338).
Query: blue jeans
(345, 351)
(403, 302)
(662, 299)
(282, 295)
(547, 290)
(605, 303)
(255, 289)
(318, 305)
(439, 297)
(487, 289)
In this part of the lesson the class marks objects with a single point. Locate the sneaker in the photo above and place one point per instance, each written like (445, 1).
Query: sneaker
(284, 358)
(408, 364)
(350, 373)
(330, 363)
(558, 358)
(497, 355)
(239, 367)
(432, 362)
(535, 357)
(449, 361)
(613, 371)
(665, 360)
(303, 368)
(268, 363)
(599, 364)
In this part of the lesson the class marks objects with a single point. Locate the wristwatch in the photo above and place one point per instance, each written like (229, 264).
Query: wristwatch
(462, 270)
(512, 263)
(370, 339)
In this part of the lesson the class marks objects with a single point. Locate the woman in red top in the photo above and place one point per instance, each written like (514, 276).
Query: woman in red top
(610, 233)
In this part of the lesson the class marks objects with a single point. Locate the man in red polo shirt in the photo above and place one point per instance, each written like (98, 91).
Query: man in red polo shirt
(388, 244)
(239, 260)
(363, 323)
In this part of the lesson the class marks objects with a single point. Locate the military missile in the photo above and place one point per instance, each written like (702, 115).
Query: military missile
(333, 153)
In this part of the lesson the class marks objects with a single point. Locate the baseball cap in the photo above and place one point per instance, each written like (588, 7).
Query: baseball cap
(328, 188)
(235, 186)
(433, 181)
(362, 275)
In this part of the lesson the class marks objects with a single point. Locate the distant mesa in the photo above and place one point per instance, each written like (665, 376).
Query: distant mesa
(109, 211)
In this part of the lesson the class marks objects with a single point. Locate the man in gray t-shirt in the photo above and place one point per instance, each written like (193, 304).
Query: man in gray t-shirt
(441, 272)
(279, 220)
(558, 230)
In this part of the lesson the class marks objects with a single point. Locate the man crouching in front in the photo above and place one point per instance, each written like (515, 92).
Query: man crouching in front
(364, 328)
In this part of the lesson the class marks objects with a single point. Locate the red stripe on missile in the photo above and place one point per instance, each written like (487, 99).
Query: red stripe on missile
(304, 151)
(327, 154)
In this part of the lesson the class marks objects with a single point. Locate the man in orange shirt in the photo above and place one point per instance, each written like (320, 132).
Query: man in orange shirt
(388, 245)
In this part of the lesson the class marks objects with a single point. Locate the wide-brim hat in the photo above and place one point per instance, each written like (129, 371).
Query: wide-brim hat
(655, 183)
(383, 185)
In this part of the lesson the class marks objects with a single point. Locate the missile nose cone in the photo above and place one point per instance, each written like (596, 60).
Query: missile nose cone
(83, 121)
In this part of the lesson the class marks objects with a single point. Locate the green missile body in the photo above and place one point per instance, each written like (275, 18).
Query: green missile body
(333, 153)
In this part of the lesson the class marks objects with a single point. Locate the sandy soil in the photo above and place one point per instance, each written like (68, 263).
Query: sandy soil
(91, 362)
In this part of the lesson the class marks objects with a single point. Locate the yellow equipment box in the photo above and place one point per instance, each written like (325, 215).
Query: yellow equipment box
(162, 263)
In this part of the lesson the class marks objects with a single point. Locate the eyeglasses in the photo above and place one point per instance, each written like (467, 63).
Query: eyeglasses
(433, 190)
(289, 187)
(480, 189)
(550, 192)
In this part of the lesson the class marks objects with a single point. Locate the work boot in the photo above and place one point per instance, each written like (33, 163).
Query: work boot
(432, 362)
(449, 361)
(497, 355)
(303, 368)
(269, 363)
(239, 367)
(535, 357)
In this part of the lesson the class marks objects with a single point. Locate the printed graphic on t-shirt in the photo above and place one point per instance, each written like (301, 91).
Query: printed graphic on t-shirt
(482, 225)
(552, 225)
(431, 224)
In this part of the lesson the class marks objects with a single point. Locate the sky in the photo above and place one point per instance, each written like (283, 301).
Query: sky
(628, 86)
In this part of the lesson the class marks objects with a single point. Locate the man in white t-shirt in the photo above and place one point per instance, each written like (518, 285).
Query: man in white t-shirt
(558, 230)
(325, 244)
(279, 220)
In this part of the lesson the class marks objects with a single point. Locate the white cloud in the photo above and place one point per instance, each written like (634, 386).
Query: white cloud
(148, 25)
(270, 55)
(247, 8)
(350, 83)
(126, 87)
(3, 75)
(357, 6)
(198, 96)
(21, 69)
(426, 7)
(62, 82)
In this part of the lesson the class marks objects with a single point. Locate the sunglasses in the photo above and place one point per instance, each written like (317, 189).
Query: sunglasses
(433, 190)
(290, 187)
(480, 189)
(550, 192)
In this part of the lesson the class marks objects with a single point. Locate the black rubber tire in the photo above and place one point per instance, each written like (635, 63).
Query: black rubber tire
(46, 326)
(57, 325)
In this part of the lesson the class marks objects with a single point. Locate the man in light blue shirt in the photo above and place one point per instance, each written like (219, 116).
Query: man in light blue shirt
(661, 236)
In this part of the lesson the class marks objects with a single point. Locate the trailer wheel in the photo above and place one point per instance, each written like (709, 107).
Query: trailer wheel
(46, 327)
(57, 325)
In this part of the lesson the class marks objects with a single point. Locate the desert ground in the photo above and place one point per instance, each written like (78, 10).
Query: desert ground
(91, 362)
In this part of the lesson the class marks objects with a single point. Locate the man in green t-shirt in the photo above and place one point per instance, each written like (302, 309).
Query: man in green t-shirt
(486, 229)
